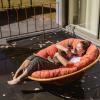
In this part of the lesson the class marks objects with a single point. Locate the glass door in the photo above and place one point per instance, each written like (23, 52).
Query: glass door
(99, 25)
(85, 13)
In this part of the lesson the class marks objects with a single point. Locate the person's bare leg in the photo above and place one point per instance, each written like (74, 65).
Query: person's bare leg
(18, 79)
(23, 66)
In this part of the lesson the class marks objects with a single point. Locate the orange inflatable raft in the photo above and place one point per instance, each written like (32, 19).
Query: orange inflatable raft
(72, 71)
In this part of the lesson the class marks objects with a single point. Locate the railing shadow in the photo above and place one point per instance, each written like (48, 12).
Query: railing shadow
(13, 15)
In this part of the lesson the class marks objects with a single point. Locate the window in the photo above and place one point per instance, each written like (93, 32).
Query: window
(85, 13)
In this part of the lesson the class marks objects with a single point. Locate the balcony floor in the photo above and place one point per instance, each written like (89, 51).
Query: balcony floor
(87, 88)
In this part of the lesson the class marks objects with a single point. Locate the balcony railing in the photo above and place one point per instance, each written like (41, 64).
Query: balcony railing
(17, 21)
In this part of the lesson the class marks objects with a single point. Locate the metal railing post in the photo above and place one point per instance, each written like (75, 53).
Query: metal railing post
(57, 12)
(9, 3)
(35, 19)
(0, 32)
(17, 20)
(2, 3)
(50, 16)
(31, 3)
(21, 3)
(8, 18)
(26, 18)
(43, 22)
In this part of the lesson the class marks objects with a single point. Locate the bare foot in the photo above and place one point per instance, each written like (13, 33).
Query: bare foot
(13, 82)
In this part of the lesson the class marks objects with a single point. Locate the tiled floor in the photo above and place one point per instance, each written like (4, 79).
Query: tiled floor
(88, 88)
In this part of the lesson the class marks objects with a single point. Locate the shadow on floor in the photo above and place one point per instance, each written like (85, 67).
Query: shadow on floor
(14, 15)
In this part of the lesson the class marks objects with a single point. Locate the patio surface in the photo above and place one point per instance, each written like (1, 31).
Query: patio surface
(87, 88)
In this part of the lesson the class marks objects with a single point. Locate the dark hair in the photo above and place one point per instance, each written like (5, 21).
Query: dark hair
(85, 44)
(62, 53)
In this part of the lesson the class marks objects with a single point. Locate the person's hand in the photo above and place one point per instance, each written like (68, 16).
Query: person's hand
(58, 46)
(73, 51)
(34, 53)
(56, 54)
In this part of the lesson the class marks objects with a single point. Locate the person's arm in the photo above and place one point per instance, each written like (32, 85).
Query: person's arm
(61, 59)
(62, 48)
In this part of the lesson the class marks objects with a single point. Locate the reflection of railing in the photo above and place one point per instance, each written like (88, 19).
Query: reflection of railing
(18, 21)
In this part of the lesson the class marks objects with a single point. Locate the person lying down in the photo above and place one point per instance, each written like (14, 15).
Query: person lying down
(34, 62)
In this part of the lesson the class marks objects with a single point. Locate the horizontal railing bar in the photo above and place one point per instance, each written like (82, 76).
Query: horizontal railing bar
(32, 33)
(27, 6)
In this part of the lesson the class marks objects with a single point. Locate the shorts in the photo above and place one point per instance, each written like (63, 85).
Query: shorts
(39, 63)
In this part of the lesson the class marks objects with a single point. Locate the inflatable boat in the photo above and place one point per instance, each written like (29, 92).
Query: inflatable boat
(69, 73)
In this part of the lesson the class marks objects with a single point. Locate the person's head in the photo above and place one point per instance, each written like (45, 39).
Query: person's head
(82, 47)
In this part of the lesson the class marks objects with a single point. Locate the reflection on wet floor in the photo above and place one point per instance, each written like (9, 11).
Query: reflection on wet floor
(87, 88)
